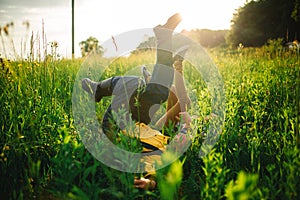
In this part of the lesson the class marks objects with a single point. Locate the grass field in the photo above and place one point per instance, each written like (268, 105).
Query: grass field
(256, 157)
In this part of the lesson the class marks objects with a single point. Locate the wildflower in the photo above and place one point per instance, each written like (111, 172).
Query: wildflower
(36, 64)
(6, 148)
(240, 47)
(54, 44)
(296, 44)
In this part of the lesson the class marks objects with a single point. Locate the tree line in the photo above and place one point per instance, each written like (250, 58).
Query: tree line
(260, 20)
(252, 25)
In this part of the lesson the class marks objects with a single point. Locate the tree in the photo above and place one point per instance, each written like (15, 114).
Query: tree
(260, 20)
(90, 45)
(148, 44)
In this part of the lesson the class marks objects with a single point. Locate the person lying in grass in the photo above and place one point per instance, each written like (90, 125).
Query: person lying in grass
(140, 97)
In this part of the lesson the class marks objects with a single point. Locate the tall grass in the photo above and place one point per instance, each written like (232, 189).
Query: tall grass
(256, 157)
(35, 106)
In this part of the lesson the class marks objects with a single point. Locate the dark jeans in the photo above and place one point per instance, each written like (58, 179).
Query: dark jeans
(139, 97)
(140, 100)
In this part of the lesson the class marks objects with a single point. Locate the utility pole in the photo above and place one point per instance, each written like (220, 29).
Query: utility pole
(73, 49)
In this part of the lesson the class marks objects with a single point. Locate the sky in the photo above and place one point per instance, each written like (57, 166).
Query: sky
(102, 19)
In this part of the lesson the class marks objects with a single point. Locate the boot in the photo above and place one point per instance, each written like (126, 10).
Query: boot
(173, 21)
(97, 89)
(170, 25)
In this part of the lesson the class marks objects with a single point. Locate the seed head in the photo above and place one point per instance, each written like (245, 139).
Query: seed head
(5, 29)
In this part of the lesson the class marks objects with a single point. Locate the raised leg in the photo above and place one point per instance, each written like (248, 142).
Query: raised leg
(178, 100)
(180, 88)
(157, 90)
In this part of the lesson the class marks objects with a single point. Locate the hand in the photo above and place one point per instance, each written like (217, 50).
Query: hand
(144, 183)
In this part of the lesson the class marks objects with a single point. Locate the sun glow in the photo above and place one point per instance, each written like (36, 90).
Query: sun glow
(103, 19)
(214, 14)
